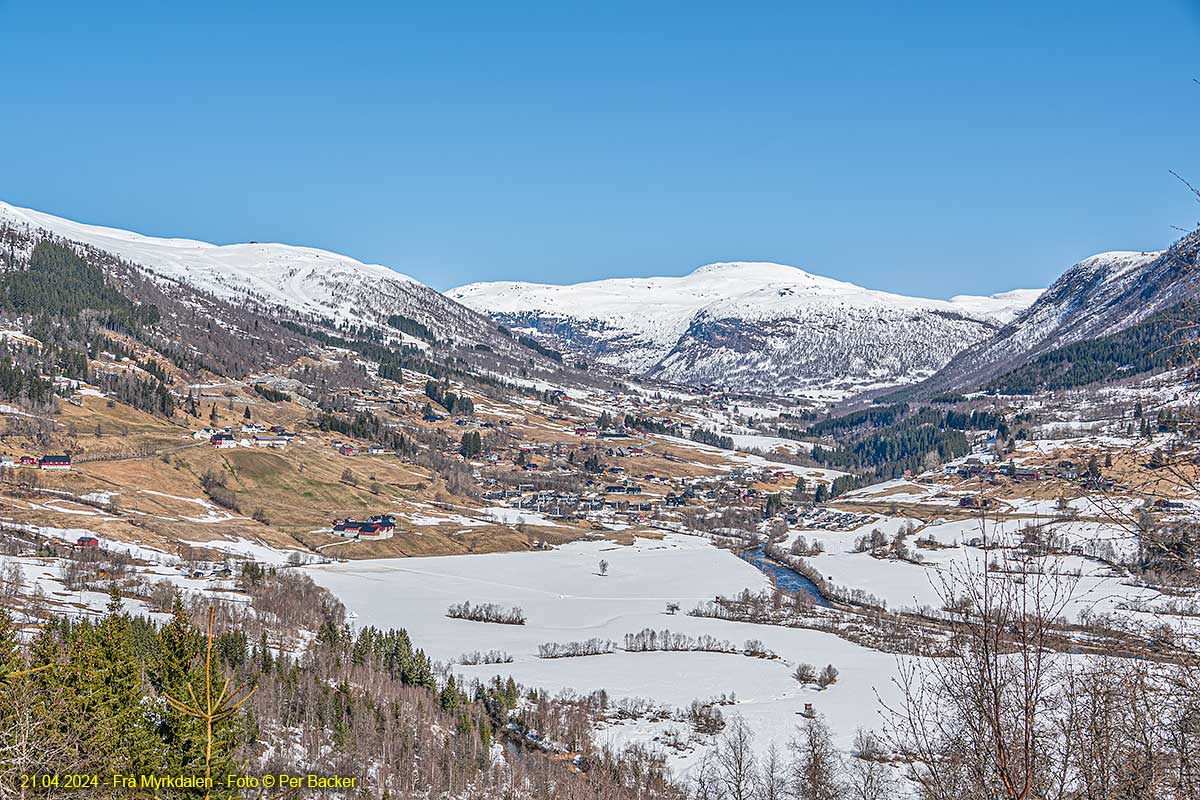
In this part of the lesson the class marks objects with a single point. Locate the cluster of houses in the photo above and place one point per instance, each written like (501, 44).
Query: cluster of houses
(829, 519)
(983, 465)
(349, 449)
(595, 432)
(673, 500)
(379, 526)
(46, 462)
(572, 505)
(260, 436)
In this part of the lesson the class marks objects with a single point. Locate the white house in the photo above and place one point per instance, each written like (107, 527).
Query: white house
(272, 441)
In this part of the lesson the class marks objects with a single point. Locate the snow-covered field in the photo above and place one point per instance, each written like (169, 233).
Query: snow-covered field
(565, 598)
(761, 462)
(749, 441)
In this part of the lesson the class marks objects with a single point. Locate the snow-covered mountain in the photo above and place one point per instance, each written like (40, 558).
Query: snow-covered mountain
(305, 281)
(750, 326)
(1002, 307)
(1100, 295)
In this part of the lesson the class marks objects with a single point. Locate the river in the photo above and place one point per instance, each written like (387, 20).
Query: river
(785, 577)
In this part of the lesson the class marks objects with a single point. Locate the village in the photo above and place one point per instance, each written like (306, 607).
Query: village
(426, 402)
(409, 491)
(562, 466)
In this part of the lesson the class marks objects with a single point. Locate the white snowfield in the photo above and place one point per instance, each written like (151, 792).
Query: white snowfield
(1002, 307)
(566, 599)
(653, 313)
(750, 459)
(1086, 586)
(1106, 275)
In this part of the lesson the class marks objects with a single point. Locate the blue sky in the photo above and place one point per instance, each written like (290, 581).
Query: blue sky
(924, 148)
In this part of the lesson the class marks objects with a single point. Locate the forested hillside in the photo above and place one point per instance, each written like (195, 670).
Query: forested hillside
(126, 696)
(1150, 345)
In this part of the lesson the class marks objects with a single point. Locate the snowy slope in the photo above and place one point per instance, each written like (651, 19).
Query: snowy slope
(750, 325)
(304, 280)
(1100, 295)
(1002, 307)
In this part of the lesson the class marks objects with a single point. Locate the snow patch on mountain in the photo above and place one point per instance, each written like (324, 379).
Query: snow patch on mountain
(1002, 307)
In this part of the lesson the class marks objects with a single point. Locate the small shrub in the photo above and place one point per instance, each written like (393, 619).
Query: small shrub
(490, 657)
(828, 676)
(590, 647)
(805, 673)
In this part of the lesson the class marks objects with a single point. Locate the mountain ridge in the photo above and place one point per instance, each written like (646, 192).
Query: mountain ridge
(749, 326)
(1098, 296)
(311, 291)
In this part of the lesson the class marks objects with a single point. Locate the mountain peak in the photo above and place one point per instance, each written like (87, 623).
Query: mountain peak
(750, 325)
(743, 267)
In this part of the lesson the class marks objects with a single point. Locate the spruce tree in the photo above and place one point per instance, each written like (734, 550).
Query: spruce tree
(171, 670)
(448, 699)
(199, 725)
(105, 697)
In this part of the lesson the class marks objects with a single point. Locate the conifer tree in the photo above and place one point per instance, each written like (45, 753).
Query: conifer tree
(172, 667)
(105, 712)
(202, 721)
(449, 696)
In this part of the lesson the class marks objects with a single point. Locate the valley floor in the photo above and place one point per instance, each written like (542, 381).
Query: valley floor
(566, 599)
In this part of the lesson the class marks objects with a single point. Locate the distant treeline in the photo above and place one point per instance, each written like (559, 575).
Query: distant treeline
(875, 417)
(712, 438)
(451, 401)
(73, 306)
(271, 395)
(650, 425)
(410, 326)
(364, 425)
(22, 384)
(905, 442)
(536, 346)
(58, 282)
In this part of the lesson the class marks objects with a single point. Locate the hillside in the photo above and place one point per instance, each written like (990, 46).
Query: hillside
(306, 288)
(222, 448)
(1098, 297)
(756, 327)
